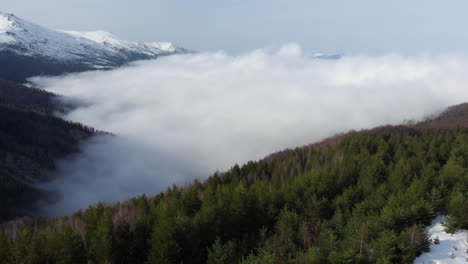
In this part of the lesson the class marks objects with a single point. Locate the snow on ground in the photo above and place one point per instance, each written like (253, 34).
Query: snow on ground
(452, 248)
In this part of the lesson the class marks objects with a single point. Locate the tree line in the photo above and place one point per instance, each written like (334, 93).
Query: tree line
(365, 198)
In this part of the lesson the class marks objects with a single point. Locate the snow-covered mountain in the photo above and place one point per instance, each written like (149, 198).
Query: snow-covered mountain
(38, 50)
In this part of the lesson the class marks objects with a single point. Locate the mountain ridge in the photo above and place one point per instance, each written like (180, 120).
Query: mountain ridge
(31, 141)
(28, 49)
(365, 199)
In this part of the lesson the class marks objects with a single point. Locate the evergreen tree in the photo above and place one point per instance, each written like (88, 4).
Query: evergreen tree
(4, 249)
(222, 253)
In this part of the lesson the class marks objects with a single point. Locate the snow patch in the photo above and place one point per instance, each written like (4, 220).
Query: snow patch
(452, 248)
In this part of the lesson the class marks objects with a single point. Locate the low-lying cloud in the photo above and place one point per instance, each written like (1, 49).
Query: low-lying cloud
(183, 117)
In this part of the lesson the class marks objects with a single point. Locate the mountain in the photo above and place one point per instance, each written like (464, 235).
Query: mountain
(361, 197)
(31, 141)
(327, 57)
(17, 96)
(454, 116)
(27, 49)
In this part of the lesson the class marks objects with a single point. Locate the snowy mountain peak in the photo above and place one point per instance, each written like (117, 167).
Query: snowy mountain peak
(8, 25)
(96, 49)
(111, 41)
(98, 36)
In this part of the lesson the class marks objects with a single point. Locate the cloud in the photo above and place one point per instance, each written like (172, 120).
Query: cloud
(183, 117)
(111, 169)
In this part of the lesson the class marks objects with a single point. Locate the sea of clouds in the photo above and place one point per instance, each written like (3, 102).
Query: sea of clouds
(183, 117)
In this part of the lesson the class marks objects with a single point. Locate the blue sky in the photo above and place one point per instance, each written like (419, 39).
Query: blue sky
(332, 26)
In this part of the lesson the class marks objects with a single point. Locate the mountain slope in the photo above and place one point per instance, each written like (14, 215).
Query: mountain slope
(14, 95)
(27, 49)
(31, 140)
(362, 198)
(452, 117)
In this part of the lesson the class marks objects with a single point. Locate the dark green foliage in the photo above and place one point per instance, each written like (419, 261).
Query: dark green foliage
(24, 98)
(30, 144)
(222, 253)
(66, 246)
(458, 210)
(31, 140)
(4, 249)
(364, 199)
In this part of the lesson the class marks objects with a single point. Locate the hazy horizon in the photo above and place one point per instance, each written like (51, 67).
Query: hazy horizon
(357, 27)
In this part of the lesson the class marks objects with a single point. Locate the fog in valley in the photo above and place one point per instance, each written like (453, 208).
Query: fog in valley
(183, 117)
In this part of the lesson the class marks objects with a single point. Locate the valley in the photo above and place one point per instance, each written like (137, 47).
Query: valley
(118, 151)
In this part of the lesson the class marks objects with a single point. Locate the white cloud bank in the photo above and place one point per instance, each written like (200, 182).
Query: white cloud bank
(185, 116)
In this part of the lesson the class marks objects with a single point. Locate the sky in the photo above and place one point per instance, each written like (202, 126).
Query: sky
(253, 88)
(236, 26)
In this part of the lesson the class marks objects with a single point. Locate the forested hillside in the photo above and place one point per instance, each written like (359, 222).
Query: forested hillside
(453, 116)
(31, 141)
(364, 197)
(14, 95)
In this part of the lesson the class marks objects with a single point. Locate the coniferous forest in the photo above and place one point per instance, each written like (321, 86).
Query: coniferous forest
(363, 197)
(89, 175)
(31, 141)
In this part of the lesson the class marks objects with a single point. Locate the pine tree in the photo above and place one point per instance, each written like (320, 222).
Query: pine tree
(4, 249)
(222, 253)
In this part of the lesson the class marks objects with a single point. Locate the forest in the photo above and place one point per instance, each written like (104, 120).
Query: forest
(31, 141)
(363, 197)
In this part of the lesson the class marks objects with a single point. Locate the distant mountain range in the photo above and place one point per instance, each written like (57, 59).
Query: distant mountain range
(327, 57)
(27, 50)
